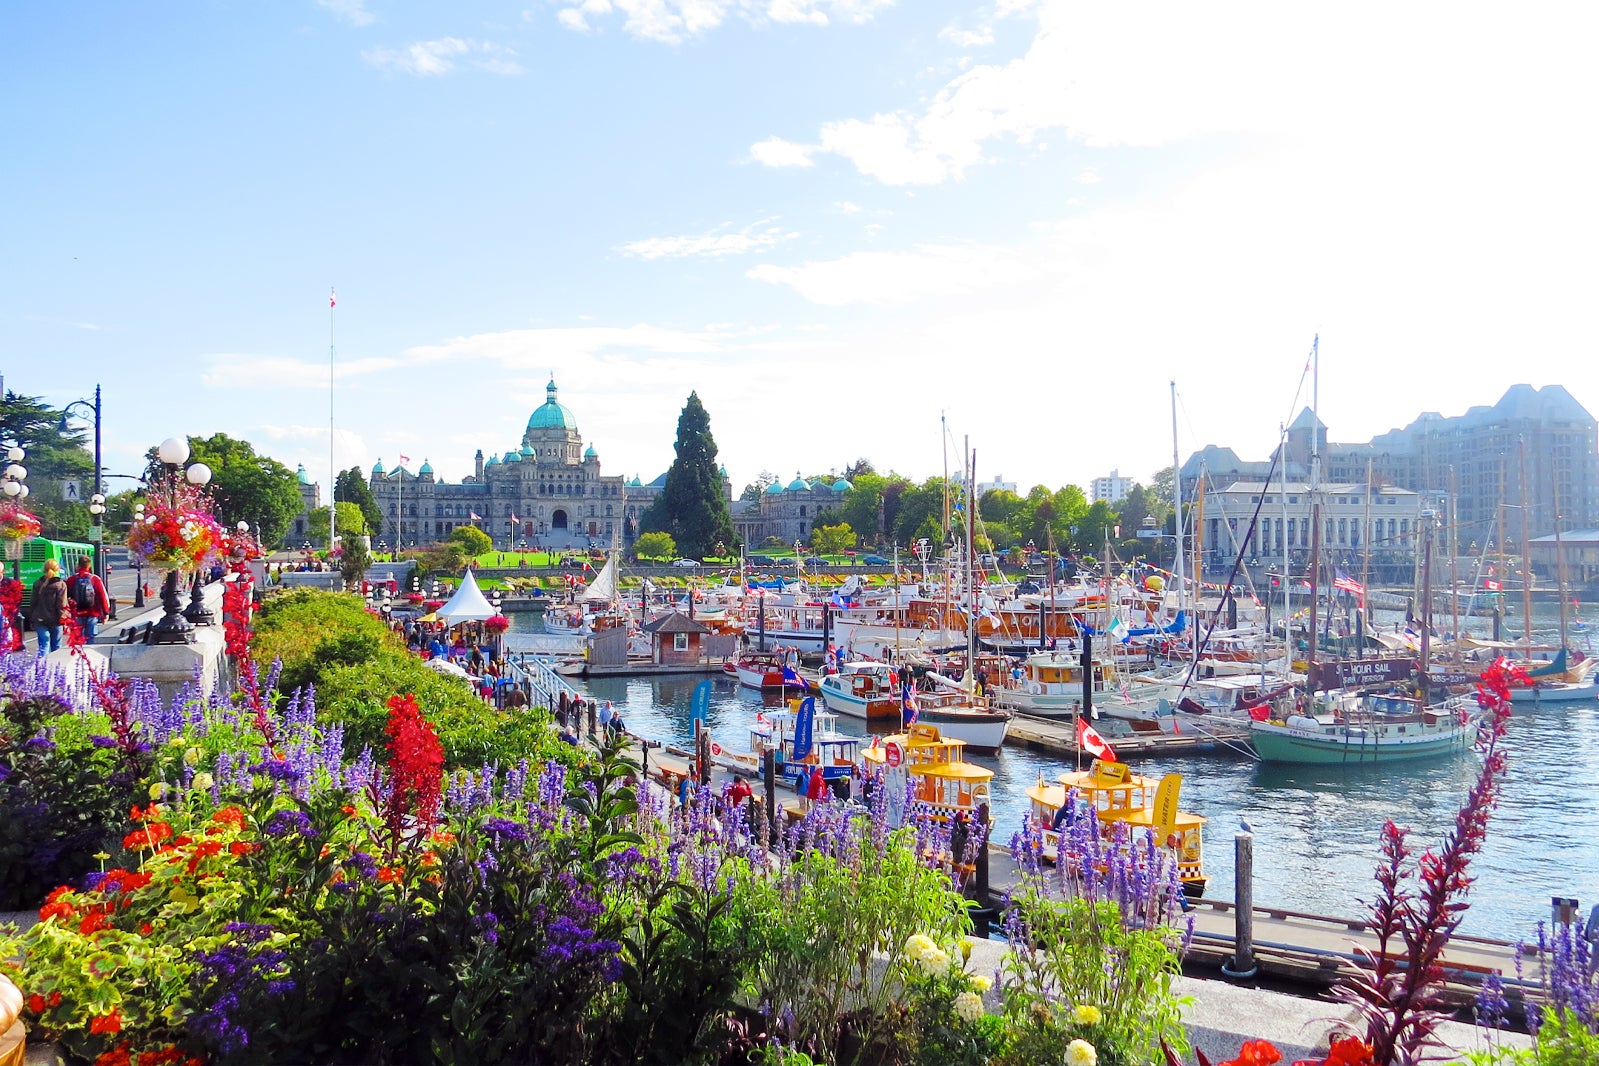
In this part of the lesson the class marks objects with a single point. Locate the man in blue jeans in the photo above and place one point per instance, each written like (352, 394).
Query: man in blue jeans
(87, 596)
(49, 607)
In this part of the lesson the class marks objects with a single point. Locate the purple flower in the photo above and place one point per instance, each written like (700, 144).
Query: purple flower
(284, 822)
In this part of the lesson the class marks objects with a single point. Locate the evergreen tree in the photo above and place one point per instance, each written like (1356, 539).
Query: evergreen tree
(691, 507)
(54, 454)
(351, 487)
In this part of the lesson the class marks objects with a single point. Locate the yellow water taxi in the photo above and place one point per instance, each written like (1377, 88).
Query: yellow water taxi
(936, 768)
(1119, 795)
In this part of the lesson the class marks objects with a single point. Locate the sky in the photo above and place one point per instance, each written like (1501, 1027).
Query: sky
(857, 228)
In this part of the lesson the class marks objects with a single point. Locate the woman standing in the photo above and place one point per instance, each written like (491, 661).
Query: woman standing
(49, 606)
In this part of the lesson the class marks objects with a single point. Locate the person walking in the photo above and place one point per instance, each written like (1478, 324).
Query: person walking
(87, 595)
(49, 607)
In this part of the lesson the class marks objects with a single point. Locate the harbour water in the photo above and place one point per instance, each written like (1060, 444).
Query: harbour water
(1316, 827)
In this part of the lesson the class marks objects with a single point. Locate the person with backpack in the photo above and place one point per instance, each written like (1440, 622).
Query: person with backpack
(87, 596)
(49, 607)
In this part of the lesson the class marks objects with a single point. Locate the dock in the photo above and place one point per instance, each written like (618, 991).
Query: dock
(649, 669)
(1060, 738)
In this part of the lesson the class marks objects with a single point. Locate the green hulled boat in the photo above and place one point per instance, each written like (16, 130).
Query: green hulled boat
(1368, 727)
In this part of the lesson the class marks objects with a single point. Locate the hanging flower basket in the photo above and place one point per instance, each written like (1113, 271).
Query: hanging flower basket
(175, 538)
(496, 623)
(16, 528)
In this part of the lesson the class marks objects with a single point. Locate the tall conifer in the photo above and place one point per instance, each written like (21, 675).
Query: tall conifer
(692, 507)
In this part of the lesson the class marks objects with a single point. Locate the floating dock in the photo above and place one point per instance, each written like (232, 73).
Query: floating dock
(1060, 738)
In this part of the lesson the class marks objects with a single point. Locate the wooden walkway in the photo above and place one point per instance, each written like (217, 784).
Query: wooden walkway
(1060, 738)
(1306, 948)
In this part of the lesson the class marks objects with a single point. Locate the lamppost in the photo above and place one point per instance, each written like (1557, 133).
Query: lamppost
(177, 626)
(12, 484)
(388, 605)
(96, 531)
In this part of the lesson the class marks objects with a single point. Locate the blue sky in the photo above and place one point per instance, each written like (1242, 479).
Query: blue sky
(835, 219)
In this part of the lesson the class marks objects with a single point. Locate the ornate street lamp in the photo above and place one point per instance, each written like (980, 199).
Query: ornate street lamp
(22, 526)
(96, 531)
(177, 626)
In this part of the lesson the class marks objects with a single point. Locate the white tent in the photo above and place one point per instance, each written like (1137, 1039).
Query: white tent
(467, 605)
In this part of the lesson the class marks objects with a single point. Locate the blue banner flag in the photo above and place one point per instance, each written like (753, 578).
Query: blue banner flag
(700, 706)
(791, 677)
(802, 729)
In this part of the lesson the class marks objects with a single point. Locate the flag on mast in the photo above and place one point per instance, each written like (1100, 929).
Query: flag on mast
(475, 516)
(333, 298)
(1089, 740)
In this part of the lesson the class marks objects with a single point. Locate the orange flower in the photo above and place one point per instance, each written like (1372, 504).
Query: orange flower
(1255, 1053)
(1349, 1051)
(57, 910)
(229, 816)
(106, 1023)
(348, 810)
(444, 836)
(36, 1003)
(117, 1056)
(390, 874)
(430, 858)
(241, 847)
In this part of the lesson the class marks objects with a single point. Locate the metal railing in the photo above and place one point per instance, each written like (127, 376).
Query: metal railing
(537, 676)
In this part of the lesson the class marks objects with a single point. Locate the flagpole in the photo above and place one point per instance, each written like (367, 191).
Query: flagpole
(333, 470)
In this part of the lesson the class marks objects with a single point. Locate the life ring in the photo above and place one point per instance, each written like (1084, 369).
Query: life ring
(1035, 688)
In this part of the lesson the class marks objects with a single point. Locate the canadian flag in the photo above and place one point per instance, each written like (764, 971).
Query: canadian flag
(1089, 740)
(475, 516)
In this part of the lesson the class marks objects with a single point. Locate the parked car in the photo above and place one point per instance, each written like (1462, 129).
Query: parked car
(817, 560)
(685, 562)
(760, 560)
(873, 560)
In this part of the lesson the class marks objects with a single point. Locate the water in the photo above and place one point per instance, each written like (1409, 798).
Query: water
(1316, 828)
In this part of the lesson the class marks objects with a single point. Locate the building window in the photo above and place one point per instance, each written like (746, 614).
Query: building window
(680, 642)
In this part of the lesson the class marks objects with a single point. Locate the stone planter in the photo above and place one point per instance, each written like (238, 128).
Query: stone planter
(13, 1037)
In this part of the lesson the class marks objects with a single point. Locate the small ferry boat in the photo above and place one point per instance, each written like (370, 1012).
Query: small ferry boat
(865, 689)
(1368, 727)
(806, 741)
(1118, 795)
(936, 767)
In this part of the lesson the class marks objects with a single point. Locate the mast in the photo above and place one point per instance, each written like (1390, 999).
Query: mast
(333, 469)
(1288, 603)
(971, 577)
(1454, 575)
(1526, 556)
(1315, 496)
(1177, 496)
(1365, 558)
(1560, 559)
(1426, 592)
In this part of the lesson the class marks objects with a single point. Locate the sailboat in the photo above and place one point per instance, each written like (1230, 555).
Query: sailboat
(1557, 681)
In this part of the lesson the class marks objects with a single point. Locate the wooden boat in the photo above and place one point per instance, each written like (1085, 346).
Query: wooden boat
(1368, 727)
(866, 689)
(935, 766)
(962, 715)
(801, 747)
(1119, 795)
(1051, 685)
(763, 670)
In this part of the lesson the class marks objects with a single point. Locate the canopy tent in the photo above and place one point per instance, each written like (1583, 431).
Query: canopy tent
(467, 605)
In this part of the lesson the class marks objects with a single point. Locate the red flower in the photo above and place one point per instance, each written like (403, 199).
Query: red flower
(106, 1023)
(390, 874)
(36, 1003)
(229, 816)
(55, 999)
(417, 761)
(241, 847)
(1255, 1053)
(95, 922)
(117, 1056)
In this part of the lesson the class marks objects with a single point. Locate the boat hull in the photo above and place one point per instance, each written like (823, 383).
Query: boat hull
(871, 708)
(981, 731)
(1561, 692)
(1287, 744)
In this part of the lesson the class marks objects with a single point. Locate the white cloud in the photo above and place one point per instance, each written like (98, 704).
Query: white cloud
(757, 236)
(776, 152)
(844, 207)
(967, 38)
(1088, 176)
(675, 21)
(435, 58)
(350, 12)
(931, 271)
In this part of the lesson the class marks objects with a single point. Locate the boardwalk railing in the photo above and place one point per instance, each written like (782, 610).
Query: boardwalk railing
(538, 677)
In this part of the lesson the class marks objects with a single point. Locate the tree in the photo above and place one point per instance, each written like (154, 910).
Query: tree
(858, 468)
(473, 541)
(921, 513)
(351, 487)
(54, 455)
(831, 540)
(350, 522)
(862, 506)
(655, 546)
(764, 480)
(691, 506)
(354, 561)
(1161, 486)
(247, 487)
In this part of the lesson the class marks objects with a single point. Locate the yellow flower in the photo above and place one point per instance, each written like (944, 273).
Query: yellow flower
(202, 782)
(158, 790)
(981, 981)
(968, 1006)
(1081, 1053)
(192, 756)
(934, 961)
(917, 945)
(1086, 1014)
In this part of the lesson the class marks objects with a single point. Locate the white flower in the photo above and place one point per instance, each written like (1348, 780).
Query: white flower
(934, 961)
(202, 782)
(918, 944)
(192, 756)
(1081, 1053)
(968, 1006)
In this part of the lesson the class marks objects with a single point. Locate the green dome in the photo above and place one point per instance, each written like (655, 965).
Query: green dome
(842, 485)
(494, 460)
(636, 483)
(774, 488)
(513, 457)
(427, 468)
(590, 453)
(799, 484)
(527, 453)
(301, 476)
(377, 468)
(552, 415)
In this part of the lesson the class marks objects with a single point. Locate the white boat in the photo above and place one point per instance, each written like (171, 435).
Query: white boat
(961, 715)
(1555, 691)
(1368, 727)
(868, 690)
(1051, 685)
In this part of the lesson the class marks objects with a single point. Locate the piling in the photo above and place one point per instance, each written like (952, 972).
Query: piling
(1242, 966)
(769, 778)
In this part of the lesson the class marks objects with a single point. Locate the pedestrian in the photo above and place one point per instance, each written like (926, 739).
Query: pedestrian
(90, 604)
(606, 715)
(618, 727)
(49, 607)
(740, 792)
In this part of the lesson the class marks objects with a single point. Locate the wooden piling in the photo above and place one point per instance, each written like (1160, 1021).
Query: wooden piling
(769, 778)
(1243, 966)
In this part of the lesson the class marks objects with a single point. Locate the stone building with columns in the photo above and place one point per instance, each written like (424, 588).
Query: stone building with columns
(548, 491)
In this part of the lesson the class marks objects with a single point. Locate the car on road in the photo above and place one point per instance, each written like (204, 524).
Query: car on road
(873, 560)
(685, 562)
(817, 560)
(761, 560)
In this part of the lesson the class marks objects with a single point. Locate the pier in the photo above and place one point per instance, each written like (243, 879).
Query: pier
(1060, 738)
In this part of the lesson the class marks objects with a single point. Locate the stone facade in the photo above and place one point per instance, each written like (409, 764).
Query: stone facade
(787, 512)
(548, 491)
